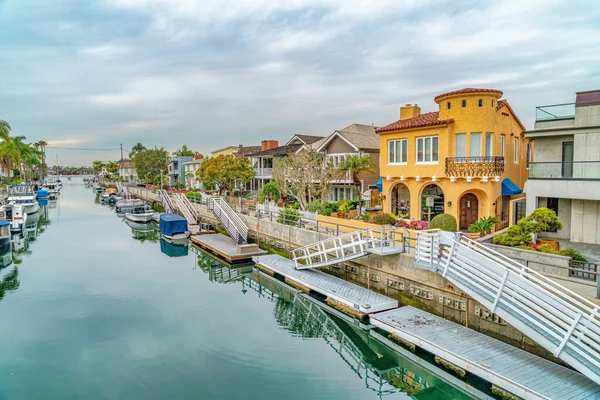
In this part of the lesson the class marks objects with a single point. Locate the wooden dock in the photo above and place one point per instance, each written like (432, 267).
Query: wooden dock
(224, 247)
(353, 297)
(507, 367)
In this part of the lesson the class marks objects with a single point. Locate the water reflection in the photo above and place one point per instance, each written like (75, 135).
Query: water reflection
(382, 370)
(143, 232)
(173, 249)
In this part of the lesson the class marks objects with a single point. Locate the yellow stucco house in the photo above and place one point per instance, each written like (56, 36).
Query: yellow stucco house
(468, 159)
(226, 151)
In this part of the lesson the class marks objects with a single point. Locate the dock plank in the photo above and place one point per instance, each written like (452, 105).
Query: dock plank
(353, 296)
(515, 370)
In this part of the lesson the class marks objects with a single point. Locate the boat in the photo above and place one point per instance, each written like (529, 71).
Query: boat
(141, 217)
(113, 199)
(23, 194)
(156, 217)
(4, 232)
(173, 226)
(131, 206)
(52, 188)
(19, 218)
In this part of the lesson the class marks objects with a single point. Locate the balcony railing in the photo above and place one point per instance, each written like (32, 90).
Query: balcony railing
(582, 170)
(263, 172)
(555, 112)
(475, 166)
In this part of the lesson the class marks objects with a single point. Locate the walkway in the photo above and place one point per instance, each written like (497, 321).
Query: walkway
(523, 374)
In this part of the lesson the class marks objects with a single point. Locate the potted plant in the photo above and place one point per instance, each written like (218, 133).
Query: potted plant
(481, 227)
(343, 209)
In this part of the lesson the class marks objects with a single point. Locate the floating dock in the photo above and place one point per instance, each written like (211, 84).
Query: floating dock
(224, 247)
(507, 367)
(352, 296)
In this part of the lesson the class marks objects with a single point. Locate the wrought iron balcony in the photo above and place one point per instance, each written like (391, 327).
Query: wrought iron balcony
(475, 166)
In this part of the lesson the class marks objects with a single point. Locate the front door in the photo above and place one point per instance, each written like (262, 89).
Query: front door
(469, 210)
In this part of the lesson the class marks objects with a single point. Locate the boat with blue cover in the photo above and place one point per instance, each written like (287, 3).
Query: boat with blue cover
(173, 226)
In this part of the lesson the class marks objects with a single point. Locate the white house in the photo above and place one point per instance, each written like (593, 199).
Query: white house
(192, 167)
(127, 171)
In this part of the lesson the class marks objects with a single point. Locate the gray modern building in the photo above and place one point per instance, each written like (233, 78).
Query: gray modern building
(176, 169)
(565, 174)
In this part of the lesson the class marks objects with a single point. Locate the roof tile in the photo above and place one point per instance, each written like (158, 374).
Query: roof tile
(420, 121)
(466, 91)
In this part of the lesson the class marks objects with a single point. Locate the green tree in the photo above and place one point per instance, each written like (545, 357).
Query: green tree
(225, 172)
(356, 167)
(189, 178)
(270, 189)
(150, 163)
(97, 166)
(112, 167)
(184, 151)
(138, 147)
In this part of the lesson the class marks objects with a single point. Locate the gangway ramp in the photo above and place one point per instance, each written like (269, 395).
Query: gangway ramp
(188, 212)
(228, 218)
(507, 367)
(354, 297)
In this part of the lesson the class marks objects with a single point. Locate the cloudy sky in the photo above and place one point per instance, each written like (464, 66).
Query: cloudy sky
(210, 73)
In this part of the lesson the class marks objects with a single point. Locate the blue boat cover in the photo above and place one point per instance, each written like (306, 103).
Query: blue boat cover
(4, 222)
(42, 194)
(172, 224)
(509, 188)
(43, 202)
(380, 185)
(173, 250)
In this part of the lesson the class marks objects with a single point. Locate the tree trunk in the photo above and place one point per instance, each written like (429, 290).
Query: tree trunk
(359, 194)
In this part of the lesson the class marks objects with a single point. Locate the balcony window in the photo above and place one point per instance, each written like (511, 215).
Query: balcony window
(502, 138)
(427, 150)
(475, 149)
(460, 145)
(397, 151)
(516, 150)
(489, 137)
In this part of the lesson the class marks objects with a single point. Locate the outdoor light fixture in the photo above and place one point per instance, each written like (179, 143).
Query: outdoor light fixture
(449, 203)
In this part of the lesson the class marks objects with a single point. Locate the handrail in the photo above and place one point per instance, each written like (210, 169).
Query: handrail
(554, 316)
(230, 220)
(333, 250)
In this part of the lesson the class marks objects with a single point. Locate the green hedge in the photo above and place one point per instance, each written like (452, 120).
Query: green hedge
(444, 222)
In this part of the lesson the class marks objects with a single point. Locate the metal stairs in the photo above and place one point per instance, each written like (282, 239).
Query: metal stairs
(347, 247)
(189, 213)
(555, 317)
(166, 201)
(232, 223)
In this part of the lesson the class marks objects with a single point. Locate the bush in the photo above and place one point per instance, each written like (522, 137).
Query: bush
(524, 247)
(541, 220)
(179, 185)
(289, 216)
(366, 217)
(414, 225)
(444, 222)
(506, 239)
(323, 208)
(484, 225)
(270, 189)
(574, 254)
(353, 204)
(383, 219)
(194, 196)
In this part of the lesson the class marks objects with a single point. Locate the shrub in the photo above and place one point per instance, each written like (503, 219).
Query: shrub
(289, 216)
(323, 208)
(524, 247)
(414, 225)
(344, 206)
(506, 239)
(383, 219)
(574, 254)
(270, 189)
(354, 204)
(541, 220)
(444, 222)
(483, 225)
(366, 217)
(194, 196)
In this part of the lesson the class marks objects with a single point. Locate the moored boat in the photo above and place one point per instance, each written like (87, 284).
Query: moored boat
(173, 226)
(19, 218)
(23, 194)
(141, 217)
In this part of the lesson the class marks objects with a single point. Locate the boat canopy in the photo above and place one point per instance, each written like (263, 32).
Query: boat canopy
(42, 193)
(4, 222)
(172, 224)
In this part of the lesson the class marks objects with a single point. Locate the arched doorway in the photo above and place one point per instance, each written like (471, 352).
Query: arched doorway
(432, 202)
(400, 200)
(469, 210)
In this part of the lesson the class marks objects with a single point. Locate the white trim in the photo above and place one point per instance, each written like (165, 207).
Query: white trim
(516, 150)
(404, 142)
(330, 138)
(427, 163)
(396, 164)
(431, 149)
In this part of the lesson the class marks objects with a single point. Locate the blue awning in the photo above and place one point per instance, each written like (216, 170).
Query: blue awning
(380, 185)
(509, 188)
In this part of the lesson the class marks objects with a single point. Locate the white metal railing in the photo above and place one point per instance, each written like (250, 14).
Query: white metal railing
(166, 201)
(263, 172)
(557, 318)
(333, 250)
(272, 207)
(182, 206)
(229, 219)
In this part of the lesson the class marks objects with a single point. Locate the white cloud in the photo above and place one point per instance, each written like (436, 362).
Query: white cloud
(107, 50)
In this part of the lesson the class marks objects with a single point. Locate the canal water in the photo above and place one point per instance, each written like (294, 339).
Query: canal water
(93, 309)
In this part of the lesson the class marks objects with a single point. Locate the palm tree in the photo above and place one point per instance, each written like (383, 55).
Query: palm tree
(185, 152)
(136, 149)
(356, 167)
(97, 166)
(112, 167)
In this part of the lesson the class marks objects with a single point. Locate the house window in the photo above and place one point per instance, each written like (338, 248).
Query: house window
(397, 151)
(492, 102)
(460, 145)
(464, 103)
(480, 103)
(475, 149)
(339, 193)
(516, 150)
(489, 137)
(448, 105)
(502, 137)
(427, 149)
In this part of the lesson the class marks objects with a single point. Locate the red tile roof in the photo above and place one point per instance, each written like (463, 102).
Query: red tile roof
(466, 91)
(504, 103)
(420, 121)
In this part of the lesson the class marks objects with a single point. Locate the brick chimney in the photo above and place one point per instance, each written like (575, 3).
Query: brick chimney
(268, 144)
(200, 157)
(409, 111)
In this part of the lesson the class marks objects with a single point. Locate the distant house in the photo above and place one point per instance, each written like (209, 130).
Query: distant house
(176, 169)
(191, 167)
(353, 140)
(127, 171)
(226, 151)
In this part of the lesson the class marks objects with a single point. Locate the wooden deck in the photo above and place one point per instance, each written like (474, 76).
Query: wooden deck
(224, 247)
(354, 297)
(507, 367)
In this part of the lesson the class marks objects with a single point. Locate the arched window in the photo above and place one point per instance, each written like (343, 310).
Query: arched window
(464, 103)
(434, 206)
(492, 102)
(400, 200)
(480, 103)
(447, 105)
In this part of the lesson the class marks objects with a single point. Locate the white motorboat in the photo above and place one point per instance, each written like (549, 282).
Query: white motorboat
(52, 189)
(19, 218)
(140, 217)
(23, 194)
